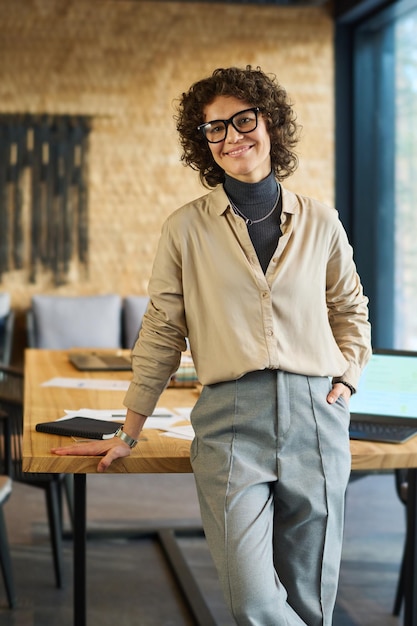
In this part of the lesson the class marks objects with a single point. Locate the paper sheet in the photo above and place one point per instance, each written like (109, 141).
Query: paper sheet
(88, 383)
(181, 432)
(161, 419)
(110, 415)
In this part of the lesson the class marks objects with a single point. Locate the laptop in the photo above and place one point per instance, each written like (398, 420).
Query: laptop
(100, 362)
(385, 406)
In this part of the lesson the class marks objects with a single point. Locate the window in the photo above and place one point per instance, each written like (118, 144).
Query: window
(384, 171)
(405, 219)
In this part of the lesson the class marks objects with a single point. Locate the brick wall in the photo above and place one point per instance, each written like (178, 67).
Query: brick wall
(124, 62)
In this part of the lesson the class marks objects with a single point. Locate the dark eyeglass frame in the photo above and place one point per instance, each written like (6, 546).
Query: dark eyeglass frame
(202, 127)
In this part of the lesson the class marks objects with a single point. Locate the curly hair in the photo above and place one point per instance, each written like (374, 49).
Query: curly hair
(254, 87)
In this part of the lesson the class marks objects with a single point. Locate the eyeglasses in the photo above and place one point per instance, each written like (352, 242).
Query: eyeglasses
(244, 122)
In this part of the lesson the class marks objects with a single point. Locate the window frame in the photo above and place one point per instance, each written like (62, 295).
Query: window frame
(365, 150)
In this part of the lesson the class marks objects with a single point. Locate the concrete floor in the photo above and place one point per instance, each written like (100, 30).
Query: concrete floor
(129, 582)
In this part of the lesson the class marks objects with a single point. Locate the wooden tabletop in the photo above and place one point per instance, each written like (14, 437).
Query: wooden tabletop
(155, 453)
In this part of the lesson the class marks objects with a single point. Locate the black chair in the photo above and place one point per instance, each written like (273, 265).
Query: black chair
(401, 485)
(5, 491)
(6, 328)
(11, 402)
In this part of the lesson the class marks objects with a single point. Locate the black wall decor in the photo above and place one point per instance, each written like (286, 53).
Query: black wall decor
(43, 193)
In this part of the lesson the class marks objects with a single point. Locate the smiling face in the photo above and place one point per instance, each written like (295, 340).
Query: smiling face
(244, 156)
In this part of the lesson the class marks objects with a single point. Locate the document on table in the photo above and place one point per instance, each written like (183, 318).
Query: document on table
(161, 419)
(88, 383)
(180, 432)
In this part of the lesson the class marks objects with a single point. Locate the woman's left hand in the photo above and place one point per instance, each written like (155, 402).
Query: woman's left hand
(339, 389)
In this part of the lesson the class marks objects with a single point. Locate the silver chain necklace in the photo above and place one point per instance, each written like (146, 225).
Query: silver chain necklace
(248, 221)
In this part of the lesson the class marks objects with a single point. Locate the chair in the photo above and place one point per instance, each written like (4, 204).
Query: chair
(6, 328)
(5, 491)
(401, 485)
(11, 402)
(63, 322)
(134, 308)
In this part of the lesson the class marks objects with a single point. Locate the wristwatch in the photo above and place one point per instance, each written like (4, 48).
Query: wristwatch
(126, 438)
(349, 386)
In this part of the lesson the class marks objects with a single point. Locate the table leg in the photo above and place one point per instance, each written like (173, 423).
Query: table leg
(410, 587)
(79, 585)
(184, 576)
(167, 539)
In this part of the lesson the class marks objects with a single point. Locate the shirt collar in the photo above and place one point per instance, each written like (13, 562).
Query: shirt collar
(290, 203)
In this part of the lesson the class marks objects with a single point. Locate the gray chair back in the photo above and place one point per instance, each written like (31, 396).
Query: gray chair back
(64, 322)
(134, 308)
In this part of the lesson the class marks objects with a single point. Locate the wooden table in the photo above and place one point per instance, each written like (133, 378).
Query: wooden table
(159, 454)
(155, 454)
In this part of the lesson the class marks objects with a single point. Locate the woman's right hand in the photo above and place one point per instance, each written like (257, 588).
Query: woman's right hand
(109, 449)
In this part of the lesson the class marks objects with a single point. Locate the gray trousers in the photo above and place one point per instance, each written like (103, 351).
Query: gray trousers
(271, 461)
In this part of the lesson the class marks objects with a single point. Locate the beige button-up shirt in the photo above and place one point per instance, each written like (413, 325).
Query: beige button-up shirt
(306, 315)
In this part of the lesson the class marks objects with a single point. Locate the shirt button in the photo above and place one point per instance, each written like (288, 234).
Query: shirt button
(274, 260)
(269, 332)
(265, 294)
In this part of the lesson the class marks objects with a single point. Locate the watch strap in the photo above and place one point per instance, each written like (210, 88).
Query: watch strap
(348, 385)
(126, 438)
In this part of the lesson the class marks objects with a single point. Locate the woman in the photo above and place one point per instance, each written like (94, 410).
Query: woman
(263, 284)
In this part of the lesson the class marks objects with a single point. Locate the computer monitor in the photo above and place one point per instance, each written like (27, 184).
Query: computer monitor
(387, 393)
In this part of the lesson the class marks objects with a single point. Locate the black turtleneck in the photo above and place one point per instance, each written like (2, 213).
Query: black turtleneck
(255, 200)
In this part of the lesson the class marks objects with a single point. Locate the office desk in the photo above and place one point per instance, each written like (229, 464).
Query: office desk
(159, 454)
(155, 454)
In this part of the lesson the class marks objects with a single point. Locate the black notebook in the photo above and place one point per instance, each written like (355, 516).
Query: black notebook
(85, 427)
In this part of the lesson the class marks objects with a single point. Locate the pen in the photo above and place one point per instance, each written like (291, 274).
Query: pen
(123, 414)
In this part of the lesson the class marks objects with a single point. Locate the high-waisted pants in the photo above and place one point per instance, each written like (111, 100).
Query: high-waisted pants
(271, 461)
